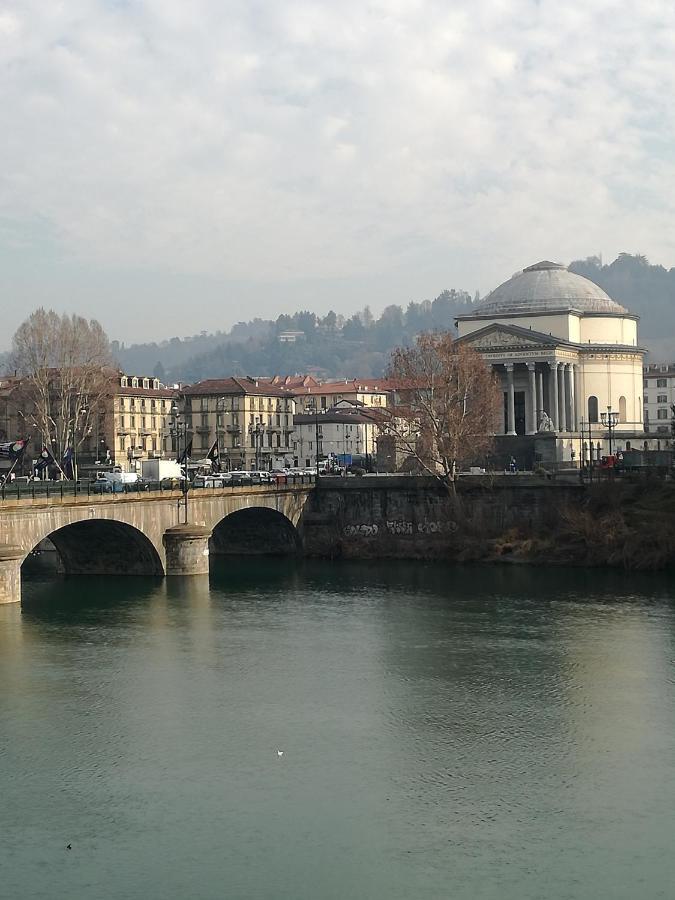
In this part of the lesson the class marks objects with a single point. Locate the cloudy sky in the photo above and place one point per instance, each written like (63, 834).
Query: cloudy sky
(171, 167)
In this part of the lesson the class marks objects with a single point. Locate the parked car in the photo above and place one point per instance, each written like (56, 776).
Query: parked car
(240, 477)
(261, 477)
(208, 481)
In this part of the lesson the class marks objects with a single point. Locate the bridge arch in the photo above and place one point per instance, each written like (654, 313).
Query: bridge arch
(103, 546)
(255, 531)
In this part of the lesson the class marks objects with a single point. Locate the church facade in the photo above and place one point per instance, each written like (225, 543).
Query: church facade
(567, 357)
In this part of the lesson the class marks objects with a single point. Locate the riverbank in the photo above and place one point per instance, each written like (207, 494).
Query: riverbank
(618, 523)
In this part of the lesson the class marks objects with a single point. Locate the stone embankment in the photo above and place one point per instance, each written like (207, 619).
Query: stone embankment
(519, 518)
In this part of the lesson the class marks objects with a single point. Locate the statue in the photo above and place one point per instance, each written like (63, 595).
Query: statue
(546, 423)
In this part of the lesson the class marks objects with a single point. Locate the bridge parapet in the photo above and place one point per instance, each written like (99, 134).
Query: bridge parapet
(130, 533)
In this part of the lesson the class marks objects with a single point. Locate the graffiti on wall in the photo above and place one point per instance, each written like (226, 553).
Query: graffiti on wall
(400, 528)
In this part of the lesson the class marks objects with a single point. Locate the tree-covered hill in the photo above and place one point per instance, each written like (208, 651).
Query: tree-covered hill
(647, 290)
(335, 346)
(331, 346)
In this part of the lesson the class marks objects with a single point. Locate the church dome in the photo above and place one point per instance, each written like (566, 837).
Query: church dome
(547, 287)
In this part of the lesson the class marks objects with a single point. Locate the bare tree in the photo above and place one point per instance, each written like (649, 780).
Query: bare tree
(448, 405)
(65, 363)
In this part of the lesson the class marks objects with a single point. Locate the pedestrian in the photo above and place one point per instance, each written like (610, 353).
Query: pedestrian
(513, 465)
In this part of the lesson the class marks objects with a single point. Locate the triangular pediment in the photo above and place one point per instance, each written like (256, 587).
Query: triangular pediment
(512, 337)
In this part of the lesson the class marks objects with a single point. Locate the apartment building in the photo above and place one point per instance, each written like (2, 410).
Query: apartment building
(658, 397)
(136, 423)
(342, 432)
(251, 418)
(358, 392)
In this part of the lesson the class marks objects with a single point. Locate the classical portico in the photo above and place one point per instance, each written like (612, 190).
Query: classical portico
(539, 378)
(563, 351)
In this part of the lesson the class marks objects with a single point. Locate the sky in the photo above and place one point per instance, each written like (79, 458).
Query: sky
(171, 167)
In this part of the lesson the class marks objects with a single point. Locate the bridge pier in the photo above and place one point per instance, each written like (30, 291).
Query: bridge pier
(187, 550)
(11, 558)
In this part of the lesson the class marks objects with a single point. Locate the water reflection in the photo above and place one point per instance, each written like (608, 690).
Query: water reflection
(463, 731)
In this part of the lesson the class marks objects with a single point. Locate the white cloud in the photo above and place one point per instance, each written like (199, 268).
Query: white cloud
(403, 145)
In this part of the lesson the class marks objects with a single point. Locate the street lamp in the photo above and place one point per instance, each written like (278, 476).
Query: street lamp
(177, 429)
(313, 407)
(257, 432)
(609, 419)
(220, 408)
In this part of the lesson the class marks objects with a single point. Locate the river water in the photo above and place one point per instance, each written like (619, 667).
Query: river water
(446, 732)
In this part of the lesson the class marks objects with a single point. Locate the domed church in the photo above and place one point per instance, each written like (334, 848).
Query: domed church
(566, 354)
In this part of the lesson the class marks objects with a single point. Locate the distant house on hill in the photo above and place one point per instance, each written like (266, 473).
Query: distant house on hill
(290, 337)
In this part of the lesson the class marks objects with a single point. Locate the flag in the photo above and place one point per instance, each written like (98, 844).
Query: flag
(186, 454)
(214, 456)
(13, 449)
(45, 459)
(67, 462)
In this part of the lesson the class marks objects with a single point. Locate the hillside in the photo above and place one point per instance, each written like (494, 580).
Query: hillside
(333, 346)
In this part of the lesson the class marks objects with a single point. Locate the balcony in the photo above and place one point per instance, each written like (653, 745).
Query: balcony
(203, 429)
(233, 429)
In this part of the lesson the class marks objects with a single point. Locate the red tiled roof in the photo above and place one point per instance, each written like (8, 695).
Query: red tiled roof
(290, 381)
(356, 385)
(223, 386)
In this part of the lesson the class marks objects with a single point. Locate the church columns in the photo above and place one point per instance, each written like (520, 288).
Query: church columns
(540, 396)
(562, 412)
(532, 400)
(497, 370)
(553, 391)
(510, 401)
(573, 404)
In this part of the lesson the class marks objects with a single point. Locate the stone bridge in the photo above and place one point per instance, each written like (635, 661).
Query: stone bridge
(116, 534)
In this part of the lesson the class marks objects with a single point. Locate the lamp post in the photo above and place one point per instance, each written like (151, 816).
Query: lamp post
(257, 432)
(609, 419)
(219, 427)
(82, 411)
(313, 407)
(179, 427)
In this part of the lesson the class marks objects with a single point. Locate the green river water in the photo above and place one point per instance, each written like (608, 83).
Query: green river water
(447, 732)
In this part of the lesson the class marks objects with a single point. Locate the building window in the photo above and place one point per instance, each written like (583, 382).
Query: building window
(622, 409)
(592, 409)
(646, 398)
(661, 382)
(661, 413)
(662, 398)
